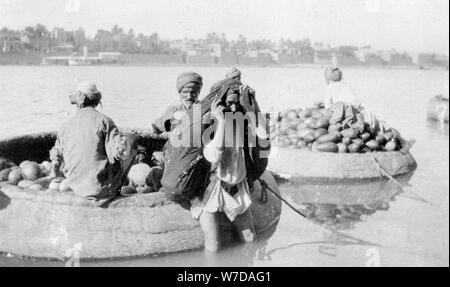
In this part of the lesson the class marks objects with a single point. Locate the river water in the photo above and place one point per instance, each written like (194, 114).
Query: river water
(379, 226)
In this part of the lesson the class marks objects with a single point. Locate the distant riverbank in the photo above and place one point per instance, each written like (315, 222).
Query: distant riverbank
(35, 59)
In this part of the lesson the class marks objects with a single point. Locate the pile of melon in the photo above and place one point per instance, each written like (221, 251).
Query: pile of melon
(310, 129)
(29, 175)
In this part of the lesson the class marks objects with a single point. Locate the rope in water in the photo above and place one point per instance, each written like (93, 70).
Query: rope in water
(264, 185)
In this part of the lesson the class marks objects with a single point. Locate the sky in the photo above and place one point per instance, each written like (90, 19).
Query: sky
(406, 25)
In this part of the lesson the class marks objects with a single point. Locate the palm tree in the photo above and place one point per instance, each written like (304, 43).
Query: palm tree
(117, 34)
(41, 34)
(30, 35)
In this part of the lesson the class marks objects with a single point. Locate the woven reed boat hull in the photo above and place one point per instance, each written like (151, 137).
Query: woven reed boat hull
(328, 167)
(48, 224)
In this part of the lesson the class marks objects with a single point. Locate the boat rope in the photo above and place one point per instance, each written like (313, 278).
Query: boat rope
(264, 185)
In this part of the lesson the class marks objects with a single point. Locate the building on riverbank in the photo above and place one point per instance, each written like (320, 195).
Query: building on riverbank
(427, 61)
(370, 57)
(394, 58)
(346, 56)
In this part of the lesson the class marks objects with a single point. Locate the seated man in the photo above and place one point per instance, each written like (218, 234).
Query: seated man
(92, 154)
(342, 100)
(188, 86)
(338, 90)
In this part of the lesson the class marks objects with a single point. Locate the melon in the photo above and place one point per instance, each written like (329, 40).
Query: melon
(380, 139)
(4, 174)
(25, 183)
(391, 145)
(309, 138)
(310, 123)
(46, 167)
(388, 136)
(354, 148)
(335, 127)
(319, 132)
(327, 147)
(23, 163)
(346, 141)
(349, 133)
(358, 141)
(373, 144)
(30, 170)
(328, 138)
(365, 137)
(15, 176)
(304, 132)
(301, 144)
(322, 123)
(307, 113)
(342, 148)
(291, 115)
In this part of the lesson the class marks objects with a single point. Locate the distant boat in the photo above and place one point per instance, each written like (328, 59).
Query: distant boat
(79, 61)
(103, 58)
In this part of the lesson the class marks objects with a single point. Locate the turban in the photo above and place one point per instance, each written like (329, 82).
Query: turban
(333, 74)
(233, 73)
(86, 91)
(189, 78)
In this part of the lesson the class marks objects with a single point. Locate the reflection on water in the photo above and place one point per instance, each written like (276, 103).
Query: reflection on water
(342, 205)
(438, 127)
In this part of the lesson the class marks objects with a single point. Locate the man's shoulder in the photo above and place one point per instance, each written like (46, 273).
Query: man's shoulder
(174, 108)
(170, 110)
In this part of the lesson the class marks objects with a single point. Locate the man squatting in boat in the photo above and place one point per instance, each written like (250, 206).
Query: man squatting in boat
(90, 151)
(189, 85)
(341, 99)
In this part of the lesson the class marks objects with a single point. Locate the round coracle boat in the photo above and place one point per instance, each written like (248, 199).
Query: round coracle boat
(336, 144)
(437, 109)
(49, 224)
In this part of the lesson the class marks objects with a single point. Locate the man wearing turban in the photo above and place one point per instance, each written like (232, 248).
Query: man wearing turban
(188, 85)
(234, 73)
(342, 100)
(90, 151)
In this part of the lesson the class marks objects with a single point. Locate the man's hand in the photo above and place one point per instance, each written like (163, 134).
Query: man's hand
(217, 110)
(248, 100)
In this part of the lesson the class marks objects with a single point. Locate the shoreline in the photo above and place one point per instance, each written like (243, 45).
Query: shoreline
(149, 60)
